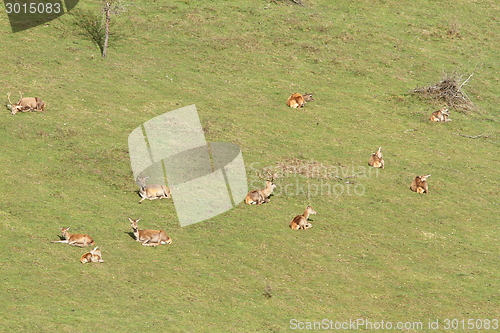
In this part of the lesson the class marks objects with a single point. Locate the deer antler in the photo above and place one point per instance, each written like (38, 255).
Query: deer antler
(260, 176)
(269, 176)
(8, 96)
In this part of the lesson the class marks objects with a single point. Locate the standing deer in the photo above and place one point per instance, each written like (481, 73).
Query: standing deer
(419, 184)
(26, 104)
(75, 239)
(257, 197)
(376, 159)
(92, 256)
(297, 100)
(149, 237)
(152, 191)
(441, 115)
(300, 221)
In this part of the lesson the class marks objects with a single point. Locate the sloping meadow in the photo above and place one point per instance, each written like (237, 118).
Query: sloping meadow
(376, 252)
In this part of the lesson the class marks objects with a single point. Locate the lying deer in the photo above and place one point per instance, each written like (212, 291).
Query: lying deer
(441, 115)
(75, 239)
(376, 159)
(300, 221)
(257, 197)
(298, 100)
(152, 191)
(26, 104)
(149, 237)
(419, 184)
(92, 256)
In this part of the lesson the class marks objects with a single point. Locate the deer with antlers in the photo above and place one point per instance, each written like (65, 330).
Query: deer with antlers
(26, 104)
(257, 197)
(419, 184)
(301, 221)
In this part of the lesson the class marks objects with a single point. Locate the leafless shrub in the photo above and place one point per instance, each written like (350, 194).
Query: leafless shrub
(449, 90)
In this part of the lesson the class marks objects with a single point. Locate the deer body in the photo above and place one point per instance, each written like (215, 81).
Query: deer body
(441, 115)
(92, 256)
(152, 191)
(376, 159)
(297, 100)
(300, 221)
(257, 197)
(149, 237)
(75, 239)
(26, 104)
(419, 184)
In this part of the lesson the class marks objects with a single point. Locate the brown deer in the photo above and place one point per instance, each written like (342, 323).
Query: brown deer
(300, 221)
(152, 191)
(26, 104)
(441, 115)
(92, 256)
(419, 184)
(75, 239)
(376, 159)
(297, 100)
(149, 237)
(257, 197)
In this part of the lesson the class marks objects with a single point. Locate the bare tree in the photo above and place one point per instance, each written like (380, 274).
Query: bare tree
(98, 26)
(106, 7)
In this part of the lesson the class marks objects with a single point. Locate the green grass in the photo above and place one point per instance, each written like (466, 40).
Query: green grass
(382, 253)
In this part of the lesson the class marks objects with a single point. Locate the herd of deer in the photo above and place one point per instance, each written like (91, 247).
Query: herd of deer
(254, 197)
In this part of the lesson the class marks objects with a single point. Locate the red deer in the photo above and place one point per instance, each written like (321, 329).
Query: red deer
(300, 221)
(419, 184)
(149, 237)
(152, 191)
(257, 197)
(75, 239)
(26, 104)
(441, 115)
(298, 100)
(92, 256)
(376, 159)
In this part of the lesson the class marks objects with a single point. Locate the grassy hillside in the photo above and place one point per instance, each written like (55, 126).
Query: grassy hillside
(377, 252)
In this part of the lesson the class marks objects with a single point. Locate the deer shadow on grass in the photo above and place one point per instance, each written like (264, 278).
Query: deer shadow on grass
(131, 234)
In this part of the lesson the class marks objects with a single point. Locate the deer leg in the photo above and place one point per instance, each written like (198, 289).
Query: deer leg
(148, 242)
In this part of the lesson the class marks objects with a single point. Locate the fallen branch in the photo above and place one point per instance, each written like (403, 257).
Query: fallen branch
(468, 136)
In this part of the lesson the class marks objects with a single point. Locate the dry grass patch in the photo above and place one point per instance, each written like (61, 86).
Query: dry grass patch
(310, 169)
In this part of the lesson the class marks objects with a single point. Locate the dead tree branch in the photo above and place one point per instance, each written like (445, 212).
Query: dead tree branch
(469, 136)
